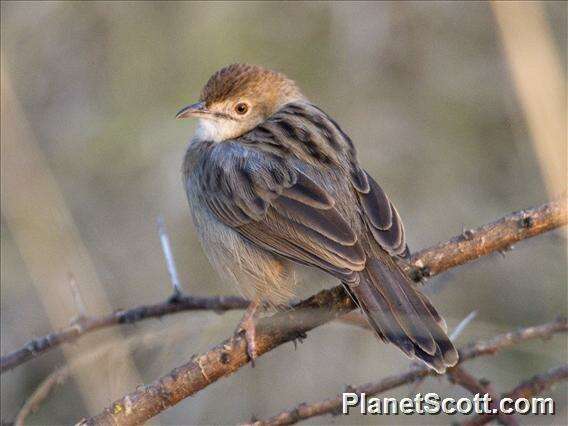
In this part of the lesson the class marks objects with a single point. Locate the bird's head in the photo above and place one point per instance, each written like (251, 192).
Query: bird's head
(238, 98)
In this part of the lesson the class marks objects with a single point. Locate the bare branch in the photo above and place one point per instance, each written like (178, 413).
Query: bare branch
(497, 236)
(60, 376)
(532, 387)
(41, 393)
(458, 375)
(225, 358)
(41, 345)
(473, 350)
(466, 247)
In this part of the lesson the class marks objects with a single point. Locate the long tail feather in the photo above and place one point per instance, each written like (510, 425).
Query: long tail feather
(399, 313)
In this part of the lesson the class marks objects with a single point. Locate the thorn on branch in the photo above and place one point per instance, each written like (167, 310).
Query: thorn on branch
(505, 250)
(132, 316)
(77, 300)
(462, 325)
(468, 234)
(170, 263)
(299, 339)
(337, 412)
(225, 358)
(295, 413)
(176, 298)
(420, 273)
(35, 346)
(526, 222)
(425, 272)
(349, 389)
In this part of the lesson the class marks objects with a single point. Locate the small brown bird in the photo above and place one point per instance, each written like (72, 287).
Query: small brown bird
(274, 182)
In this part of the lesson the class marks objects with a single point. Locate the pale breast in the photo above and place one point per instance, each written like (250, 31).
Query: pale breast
(253, 271)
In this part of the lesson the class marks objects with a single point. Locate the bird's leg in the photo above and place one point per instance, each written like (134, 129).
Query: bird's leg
(247, 328)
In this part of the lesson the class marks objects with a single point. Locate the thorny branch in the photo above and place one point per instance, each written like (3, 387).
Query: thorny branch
(498, 236)
(40, 394)
(473, 350)
(202, 370)
(83, 325)
(532, 387)
(460, 376)
(470, 245)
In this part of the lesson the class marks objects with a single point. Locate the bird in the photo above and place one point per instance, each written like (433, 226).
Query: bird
(274, 184)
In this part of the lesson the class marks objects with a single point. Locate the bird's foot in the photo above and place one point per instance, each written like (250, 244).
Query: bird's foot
(247, 329)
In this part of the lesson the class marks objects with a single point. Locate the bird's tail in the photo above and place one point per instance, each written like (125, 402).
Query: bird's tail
(399, 313)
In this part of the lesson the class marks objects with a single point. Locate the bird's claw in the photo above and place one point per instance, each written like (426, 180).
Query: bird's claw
(247, 329)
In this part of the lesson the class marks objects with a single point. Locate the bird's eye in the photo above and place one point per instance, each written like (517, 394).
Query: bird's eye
(241, 108)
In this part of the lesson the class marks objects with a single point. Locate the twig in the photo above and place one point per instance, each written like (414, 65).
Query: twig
(458, 375)
(63, 373)
(473, 350)
(39, 346)
(41, 393)
(77, 299)
(170, 263)
(496, 236)
(532, 387)
(462, 325)
(466, 247)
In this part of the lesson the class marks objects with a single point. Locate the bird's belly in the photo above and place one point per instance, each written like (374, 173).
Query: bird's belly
(256, 273)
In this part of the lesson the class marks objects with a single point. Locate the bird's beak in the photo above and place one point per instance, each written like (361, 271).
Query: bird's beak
(193, 110)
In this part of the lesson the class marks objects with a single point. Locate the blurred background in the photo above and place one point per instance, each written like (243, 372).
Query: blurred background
(457, 109)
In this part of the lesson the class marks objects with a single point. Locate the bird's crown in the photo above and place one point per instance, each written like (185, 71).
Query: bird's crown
(237, 80)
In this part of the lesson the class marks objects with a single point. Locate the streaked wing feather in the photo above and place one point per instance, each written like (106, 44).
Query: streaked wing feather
(275, 205)
(327, 222)
(377, 206)
(310, 253)
(383, 219)
(308, 193)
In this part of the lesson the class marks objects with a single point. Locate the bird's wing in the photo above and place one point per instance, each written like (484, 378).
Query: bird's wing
(278, 207)
(320, 136)
(380, 215)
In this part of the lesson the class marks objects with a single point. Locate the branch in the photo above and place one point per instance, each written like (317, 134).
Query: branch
(225, 358)
(470, 245)
(496, 236)
(458, 375)
(527, 389)
(40, 394)
(473, 350)
(78, 328)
